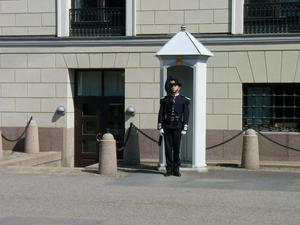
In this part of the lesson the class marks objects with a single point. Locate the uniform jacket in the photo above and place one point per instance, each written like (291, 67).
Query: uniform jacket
(173, 112)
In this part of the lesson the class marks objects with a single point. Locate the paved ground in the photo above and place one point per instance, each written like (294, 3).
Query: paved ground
(235, 197)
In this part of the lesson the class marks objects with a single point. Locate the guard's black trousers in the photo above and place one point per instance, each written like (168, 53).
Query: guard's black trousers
(172, 139)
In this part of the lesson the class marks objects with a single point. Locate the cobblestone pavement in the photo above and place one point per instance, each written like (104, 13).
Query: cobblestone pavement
(43, 196)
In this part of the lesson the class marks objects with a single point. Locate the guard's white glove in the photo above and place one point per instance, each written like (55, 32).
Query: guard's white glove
(161, 132)
(183, 132)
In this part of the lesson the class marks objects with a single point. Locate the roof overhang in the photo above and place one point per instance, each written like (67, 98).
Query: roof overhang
(183, 44)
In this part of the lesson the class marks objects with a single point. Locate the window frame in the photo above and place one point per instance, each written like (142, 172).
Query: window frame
(276, 121)
(271, 17)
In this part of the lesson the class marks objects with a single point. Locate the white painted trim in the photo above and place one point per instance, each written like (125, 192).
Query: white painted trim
(199, 114)
(237, 17)
(199, 110)
(63, 7)
(130, 17)
(163, 78)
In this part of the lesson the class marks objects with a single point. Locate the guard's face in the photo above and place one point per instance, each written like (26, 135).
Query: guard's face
(175, 88)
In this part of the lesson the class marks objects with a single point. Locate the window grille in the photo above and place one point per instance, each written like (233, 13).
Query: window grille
(271, 16)
(273, 107)
(97, 22)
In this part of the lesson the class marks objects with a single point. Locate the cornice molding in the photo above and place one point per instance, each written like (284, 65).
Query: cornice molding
(142, 41)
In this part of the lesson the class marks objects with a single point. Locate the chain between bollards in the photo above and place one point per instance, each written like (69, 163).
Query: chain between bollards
(226, 141)
(275, 142)
(207, 148)
(21, 136)
(160, 138)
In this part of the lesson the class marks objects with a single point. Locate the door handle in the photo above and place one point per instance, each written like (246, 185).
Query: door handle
(98, 137)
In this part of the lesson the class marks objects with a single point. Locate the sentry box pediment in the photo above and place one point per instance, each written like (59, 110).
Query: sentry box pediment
(183, 44)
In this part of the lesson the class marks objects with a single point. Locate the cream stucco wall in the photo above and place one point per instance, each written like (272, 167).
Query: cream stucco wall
(166, 16)
(229, 70)
(27, 17)
(38, 17)
(34, 85)
(35, 81)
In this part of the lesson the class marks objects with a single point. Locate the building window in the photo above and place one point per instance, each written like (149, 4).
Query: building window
(273, 107)
(97, 18)
(100, 83)
(271, 16)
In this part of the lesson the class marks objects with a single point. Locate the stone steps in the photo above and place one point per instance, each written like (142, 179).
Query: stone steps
(31, 160)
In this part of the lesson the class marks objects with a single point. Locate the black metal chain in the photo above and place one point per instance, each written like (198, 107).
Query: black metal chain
(226, 141)
(277, 143)
(146, 135)
(21, 136)
(140, 131)
(207, 148)
(159, 141)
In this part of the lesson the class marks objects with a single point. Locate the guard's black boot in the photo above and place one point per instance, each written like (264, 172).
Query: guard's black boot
(177, 172)
(168, 173)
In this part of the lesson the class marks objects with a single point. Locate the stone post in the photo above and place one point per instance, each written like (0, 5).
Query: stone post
(1, 147)
(250, 155)
(108, 156)
(32, 138)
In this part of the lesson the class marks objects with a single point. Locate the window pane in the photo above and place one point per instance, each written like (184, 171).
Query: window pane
(113, 83)
(278, 100)
(86, 4)
(115, 3)
(89, 110)
(89, 127)
(271, 16)
(88, 146)
(272, 106)
(289, 100)
(89, 83)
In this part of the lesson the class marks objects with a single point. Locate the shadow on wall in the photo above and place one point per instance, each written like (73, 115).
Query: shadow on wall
(13, 133)
(132, 148)
(58, 114)
(56, 117)
(19, 146)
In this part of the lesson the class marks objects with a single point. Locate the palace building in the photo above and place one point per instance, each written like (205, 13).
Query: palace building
(96, 58)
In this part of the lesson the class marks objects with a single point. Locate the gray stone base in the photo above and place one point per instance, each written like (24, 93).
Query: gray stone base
(50, 139)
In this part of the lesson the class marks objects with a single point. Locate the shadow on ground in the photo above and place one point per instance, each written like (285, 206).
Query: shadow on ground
(141, 168)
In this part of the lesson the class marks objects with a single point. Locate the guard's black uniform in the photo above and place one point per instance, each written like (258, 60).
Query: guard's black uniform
(173, 118)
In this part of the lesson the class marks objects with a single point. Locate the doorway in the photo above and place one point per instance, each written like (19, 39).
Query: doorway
(185, 76)
(99, 108)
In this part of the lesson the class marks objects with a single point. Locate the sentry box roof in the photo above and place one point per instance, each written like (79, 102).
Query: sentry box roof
(183, 43)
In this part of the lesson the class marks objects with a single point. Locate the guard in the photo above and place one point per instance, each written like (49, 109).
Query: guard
(172, 123)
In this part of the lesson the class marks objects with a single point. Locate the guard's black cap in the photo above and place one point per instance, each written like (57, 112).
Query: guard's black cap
(174, 81)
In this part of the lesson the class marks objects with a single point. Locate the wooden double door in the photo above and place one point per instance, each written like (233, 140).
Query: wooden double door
(97, 113)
